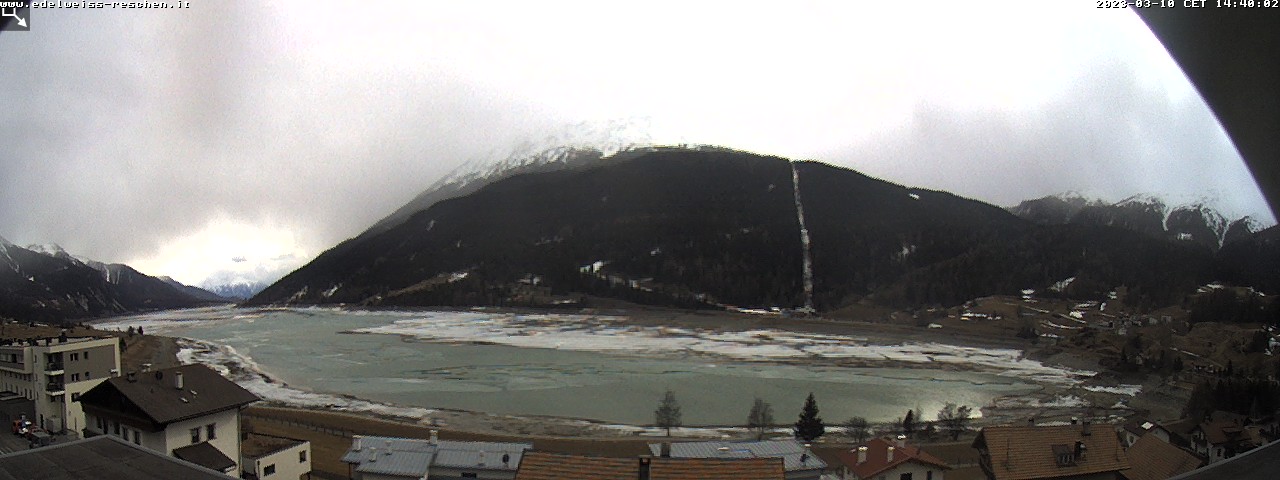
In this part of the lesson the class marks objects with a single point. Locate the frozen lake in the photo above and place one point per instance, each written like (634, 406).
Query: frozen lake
(592, 367)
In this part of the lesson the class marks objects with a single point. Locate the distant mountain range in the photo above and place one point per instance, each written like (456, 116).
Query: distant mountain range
(237, 290)
(45, 283)
(1197, 221)
(707, 226)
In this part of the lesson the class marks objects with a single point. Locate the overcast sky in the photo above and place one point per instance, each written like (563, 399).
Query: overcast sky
(220, 142)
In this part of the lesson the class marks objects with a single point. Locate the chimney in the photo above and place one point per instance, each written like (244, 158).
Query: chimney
(1031, 422)
(1084, 429)
(1075, 420)
(902, 441)
(373, 454)
(665, 450)
(177, 380)
(862, 455)
(890, 457)
(506, 458)
(115, 372)
(359, 440)
(387, 449)
(435, 437)
(644, 468)
(482, 458)
(132, 376)
(146, 367)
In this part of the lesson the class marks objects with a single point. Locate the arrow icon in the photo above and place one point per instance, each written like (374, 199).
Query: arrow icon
(22, 22)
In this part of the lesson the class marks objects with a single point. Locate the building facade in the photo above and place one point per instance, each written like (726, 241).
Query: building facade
(190, 412)
(54, 372)
(268, 457)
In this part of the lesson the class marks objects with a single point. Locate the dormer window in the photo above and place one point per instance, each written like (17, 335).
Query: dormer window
(1064, 455)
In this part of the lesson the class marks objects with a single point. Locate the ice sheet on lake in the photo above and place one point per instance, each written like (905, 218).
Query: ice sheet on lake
(1129, 390)
(611, 335)
(248, 374)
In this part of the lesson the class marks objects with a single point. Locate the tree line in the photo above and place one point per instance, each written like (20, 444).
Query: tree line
(951, 419)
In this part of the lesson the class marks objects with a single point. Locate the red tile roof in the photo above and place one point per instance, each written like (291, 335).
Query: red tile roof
(1027, 452)
(554, 466)
(716, 469)
(1151, 458)
(878, 458)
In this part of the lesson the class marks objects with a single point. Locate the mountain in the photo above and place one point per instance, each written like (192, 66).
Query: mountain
(711, 227)
(575, 146)
(45, 283)
(242, 290)
(1195, 221)
(196, 292)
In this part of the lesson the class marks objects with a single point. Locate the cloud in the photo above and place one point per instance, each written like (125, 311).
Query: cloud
(303, 124)
(239, 259)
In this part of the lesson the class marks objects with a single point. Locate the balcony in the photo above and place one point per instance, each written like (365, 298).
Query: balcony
(55, 387)
(53, 367)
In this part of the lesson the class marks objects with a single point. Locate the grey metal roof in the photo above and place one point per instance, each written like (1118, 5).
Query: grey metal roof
(790, 451)
(100, 458)
(414, 457)
(407, 464)
(472, 459)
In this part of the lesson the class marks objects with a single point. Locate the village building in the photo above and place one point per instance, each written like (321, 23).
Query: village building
(53, 372)
(268, 457)
(100, 458)
(1151, 458)
(1222, 435)
(553, 466)
(799, 462)
(1131, 431)
(392, 458)
(1050, 452)
(190, 412)
(881, 459)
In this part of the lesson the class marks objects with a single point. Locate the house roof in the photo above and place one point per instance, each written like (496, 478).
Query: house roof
(1223, 427)
(795, 455)
(554, 466)
(155, 397)
(256, 445)
(716, 469)
(1026, 452)
(205, 455)
(100, 458)
(1151, 458)
(1140, 427)
(878, 458)
(413, 457)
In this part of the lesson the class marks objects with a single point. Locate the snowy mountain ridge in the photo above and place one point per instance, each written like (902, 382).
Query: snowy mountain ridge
(1197, 218)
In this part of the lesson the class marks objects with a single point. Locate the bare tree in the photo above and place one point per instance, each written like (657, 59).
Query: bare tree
(953, 419)
(668, 413)
(760, 418)
(856, 427)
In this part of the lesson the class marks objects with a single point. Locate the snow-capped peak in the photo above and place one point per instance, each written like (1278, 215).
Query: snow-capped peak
(601, 140)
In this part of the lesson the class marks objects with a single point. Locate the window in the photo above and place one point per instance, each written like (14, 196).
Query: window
(905, 476)
(75, 397)
(86, 355)
(115, 427)
(269, 470)
(469, 475)
(75, 357)
(928, 475)
(137, 438)
(302, 456)
(211, 431)
(195, 435)
(75, 377)
(86, 375)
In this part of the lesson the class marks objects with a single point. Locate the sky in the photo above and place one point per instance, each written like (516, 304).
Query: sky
(236, 141)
